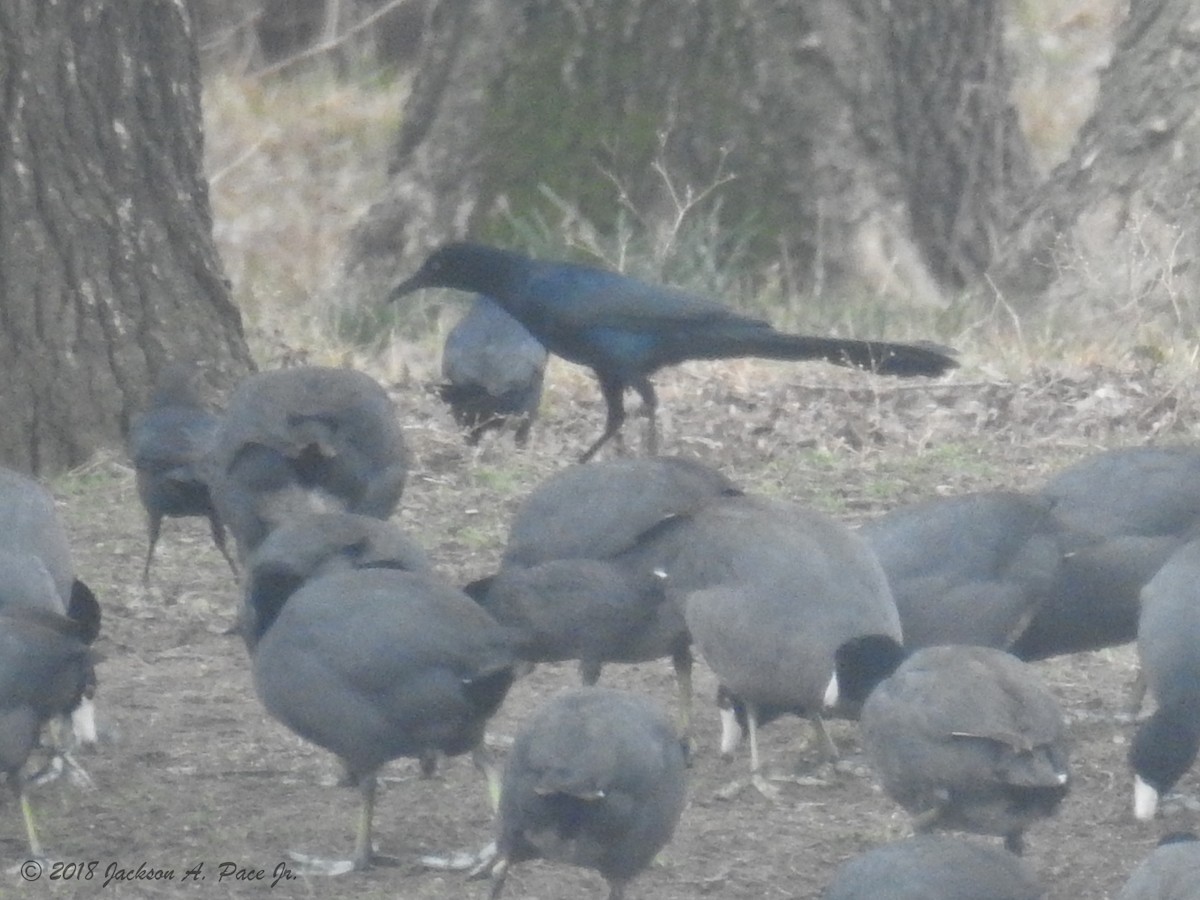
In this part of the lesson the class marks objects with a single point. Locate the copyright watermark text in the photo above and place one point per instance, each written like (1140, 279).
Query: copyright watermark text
(105, 874)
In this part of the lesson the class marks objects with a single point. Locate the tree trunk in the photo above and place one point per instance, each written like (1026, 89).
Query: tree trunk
(399, 32)
(953, 135)
(287, 27)
(107, 266)
(871, 143)
(1116, 226)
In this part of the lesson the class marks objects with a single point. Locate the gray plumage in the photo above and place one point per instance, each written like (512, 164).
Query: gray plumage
(934, 867)
(1165, 745)
(37, 572)
(600, 512)
(577, 580)
(46, 670)
(26, 583)
(968, 738)
(30, 525)
(341, 640)
(314, 545)
(769, 590)
(972, 569)
(1170, 872)
(1131, 490)
(493, 370)
(169, 443)
(304, 440)
(1124, 512)
(596, 778)
(589, 610)
(373, 665)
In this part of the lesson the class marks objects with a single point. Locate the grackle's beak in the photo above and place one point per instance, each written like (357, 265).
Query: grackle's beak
(407, 286)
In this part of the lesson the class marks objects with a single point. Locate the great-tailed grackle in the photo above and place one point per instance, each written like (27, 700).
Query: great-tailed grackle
(626, 330)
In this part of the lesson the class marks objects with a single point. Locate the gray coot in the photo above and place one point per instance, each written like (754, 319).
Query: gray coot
(971, 569)
(769, 591)
(962, 737)
(1123, 512)
(935, 867)
(46, 669)
(494, 370)
(1164, 746)
(169, 443)
(595, 779)
(373, 665)
(1170, 872)
(303, 440)
(577, 579)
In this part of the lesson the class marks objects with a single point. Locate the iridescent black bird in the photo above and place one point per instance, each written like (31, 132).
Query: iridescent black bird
(626, 330)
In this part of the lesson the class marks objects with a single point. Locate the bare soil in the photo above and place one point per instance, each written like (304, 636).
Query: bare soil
(192, 772)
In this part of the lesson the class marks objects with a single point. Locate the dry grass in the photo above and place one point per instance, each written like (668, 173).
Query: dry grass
(295, 163)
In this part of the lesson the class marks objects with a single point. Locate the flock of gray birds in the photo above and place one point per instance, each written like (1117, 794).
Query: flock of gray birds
(920, 625)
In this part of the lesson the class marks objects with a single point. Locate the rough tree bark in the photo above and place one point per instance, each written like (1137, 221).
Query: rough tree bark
(107, 265)
(280, 35)
(872, 141)
(285, 27)
(1117, 223)
(951, 133)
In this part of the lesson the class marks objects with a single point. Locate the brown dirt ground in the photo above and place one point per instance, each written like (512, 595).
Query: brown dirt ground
(193, 771)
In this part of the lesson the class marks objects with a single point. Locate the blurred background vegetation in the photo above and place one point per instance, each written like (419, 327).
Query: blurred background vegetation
(299, 138)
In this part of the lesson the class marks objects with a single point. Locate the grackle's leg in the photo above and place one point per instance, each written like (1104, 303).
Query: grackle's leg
(218, 536)
(153, 528)
(649, 409)
(613, 390)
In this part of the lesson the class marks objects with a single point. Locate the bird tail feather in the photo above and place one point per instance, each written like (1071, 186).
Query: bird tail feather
(882, 357)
